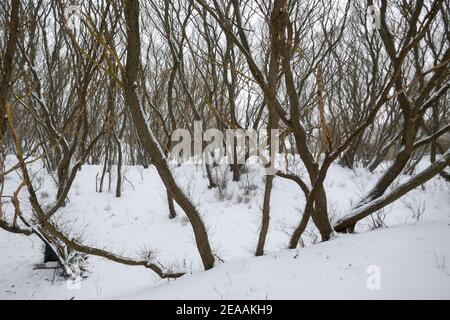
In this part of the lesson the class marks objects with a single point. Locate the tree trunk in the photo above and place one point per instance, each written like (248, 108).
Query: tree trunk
(147, 138)
(50, 255)
(212, 184)
(295, 238)
(105, 166)
(368, 208)
(7, 66)
(265, 216)
(410, 127)
(172, 211)
(235, 166)
(119, 165)
(320, 214)
(348, 158)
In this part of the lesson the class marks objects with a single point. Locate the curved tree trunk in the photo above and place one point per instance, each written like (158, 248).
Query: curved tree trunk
(212, 183)
(149, 142)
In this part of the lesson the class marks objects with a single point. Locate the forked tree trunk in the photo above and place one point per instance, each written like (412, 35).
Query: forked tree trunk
(315, 208)
(104, 170)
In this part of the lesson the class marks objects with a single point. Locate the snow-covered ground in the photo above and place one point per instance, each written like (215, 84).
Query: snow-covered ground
(408, 259)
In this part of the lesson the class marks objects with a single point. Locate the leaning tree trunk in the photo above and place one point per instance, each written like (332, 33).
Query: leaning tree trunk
(147, 138)
(295, 238)
(7, 65)
(349, 221)
(315, 208)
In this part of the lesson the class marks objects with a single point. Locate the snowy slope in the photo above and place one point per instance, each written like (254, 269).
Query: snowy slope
(413, 263)
(139, 221)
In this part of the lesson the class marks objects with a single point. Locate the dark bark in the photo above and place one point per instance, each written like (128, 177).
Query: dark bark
(119, 164)
(147, 139)
(265, 216)
(369, 207)
(172, 211)
(105, 167)
(295, 238)
(49, 254)
(348, 158)
(212, 183)
(8, 64)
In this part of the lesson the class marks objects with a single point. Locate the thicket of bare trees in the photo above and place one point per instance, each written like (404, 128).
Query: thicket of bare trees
(106, 82)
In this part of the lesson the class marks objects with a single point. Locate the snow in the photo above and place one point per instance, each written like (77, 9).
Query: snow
(411, 253)
(336, 269)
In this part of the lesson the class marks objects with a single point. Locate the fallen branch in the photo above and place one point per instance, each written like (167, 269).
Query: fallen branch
(44, 229)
